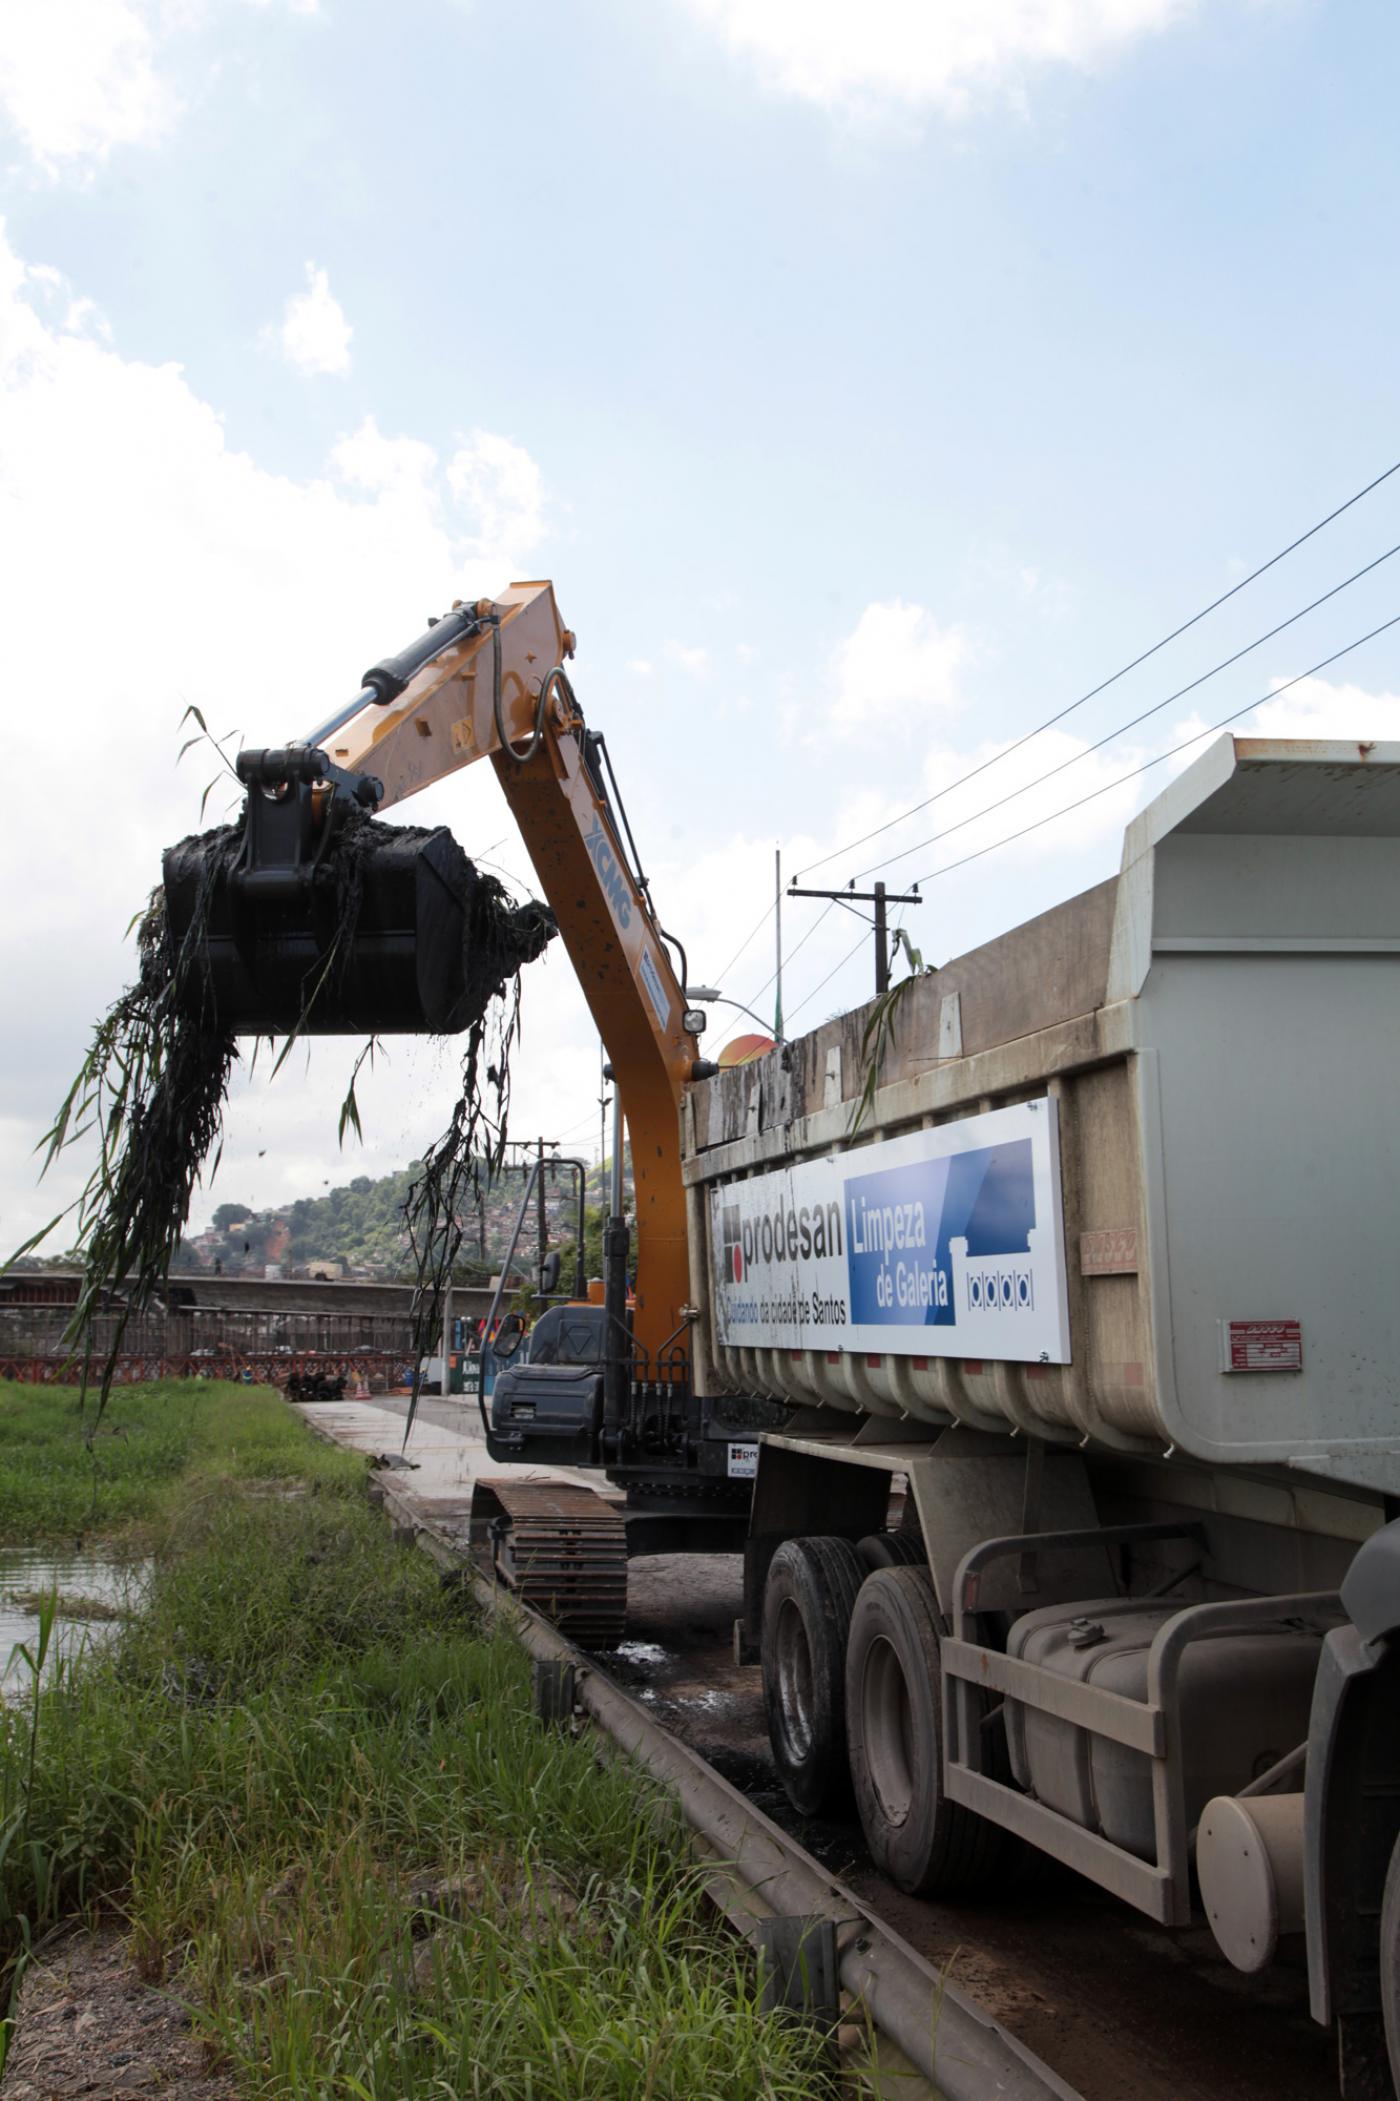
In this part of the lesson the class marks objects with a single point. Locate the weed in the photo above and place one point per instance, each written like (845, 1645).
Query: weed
(315, 1787)
(157, 1446)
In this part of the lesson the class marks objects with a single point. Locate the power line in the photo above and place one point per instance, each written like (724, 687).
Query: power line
(828, 978)
(573, 1127)
(895, 926)
(1185, 745)
(1103, 684)
(795, 950)
(757, 929)
(1123, 728)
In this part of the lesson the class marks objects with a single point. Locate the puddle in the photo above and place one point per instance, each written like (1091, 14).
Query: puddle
(640, 1652)
(711, 1702)
(98, 1593)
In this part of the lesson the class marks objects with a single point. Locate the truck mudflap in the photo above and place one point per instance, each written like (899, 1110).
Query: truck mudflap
(1351, 1813)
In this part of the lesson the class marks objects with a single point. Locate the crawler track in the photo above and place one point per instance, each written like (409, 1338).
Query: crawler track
(562, 1551)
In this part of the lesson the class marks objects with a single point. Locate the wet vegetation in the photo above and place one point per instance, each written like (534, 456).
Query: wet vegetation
(148, 1100)
(64, 1478)
(314, 1789)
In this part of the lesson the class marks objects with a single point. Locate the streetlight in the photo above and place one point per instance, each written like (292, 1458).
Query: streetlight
(708, 995)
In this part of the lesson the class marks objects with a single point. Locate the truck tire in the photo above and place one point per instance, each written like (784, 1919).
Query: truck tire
(1390, 1963)
(807, 1604)
(892, 1550)
(894, 1720)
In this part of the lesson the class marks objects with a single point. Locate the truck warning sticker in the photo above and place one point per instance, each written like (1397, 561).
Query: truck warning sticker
(743, 1462)
(1261, 1345)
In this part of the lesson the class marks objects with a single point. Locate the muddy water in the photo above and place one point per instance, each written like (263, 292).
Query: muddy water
(82, 1580)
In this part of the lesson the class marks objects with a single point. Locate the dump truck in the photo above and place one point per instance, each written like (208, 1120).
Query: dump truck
(1077, 1263)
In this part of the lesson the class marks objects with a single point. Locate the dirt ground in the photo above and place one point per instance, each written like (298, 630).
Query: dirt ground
(1121, 2009)
(88, 2026)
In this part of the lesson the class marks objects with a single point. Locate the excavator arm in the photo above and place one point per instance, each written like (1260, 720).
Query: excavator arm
(500, 692)
(487, 682)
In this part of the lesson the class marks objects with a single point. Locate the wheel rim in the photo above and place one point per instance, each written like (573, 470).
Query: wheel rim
(887, 1727)
(794, 1672)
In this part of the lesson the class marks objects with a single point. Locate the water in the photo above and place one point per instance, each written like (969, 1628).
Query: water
(27, 1572)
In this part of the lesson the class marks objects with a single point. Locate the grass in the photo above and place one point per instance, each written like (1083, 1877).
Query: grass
(155, 1446)
(314, 1787)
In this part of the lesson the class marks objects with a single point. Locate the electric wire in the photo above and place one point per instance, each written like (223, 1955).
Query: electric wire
(796, 949)
(1123, 728)
(1104, 684)
(591, 1118)
(1136, 771)
(1121, 779)
(810, 996)
(749, 937)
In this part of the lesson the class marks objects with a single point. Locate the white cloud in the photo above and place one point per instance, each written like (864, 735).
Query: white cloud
(917, 54)
(402, 470)
(1317, 708)
(131, 533)
(641, 667)
(78, 77)
(896, 669)
(1314, 709)
(691, 659)
(313, 333)
(498, 481)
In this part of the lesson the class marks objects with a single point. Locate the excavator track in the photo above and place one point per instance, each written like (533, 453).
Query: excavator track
(560, 1548)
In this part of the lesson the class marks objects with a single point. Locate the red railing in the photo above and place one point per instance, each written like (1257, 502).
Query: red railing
(250, 1367)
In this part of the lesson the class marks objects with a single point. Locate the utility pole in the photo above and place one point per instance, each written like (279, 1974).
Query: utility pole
(445, 1383)
(881, 899)
(778, 924)
(541, 1217)
(603, 1099)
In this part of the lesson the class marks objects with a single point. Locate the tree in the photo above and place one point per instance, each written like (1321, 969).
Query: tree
(231, 1215)
(594, 1220)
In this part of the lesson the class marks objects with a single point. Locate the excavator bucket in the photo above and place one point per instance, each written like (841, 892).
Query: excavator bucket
(311, 916)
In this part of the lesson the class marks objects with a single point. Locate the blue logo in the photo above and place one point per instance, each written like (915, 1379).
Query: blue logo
(610, 875)
(899, 1225)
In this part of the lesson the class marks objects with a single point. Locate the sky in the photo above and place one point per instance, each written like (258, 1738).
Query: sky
(872, 383)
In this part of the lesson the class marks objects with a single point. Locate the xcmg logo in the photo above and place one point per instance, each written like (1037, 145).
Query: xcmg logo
(610, 875)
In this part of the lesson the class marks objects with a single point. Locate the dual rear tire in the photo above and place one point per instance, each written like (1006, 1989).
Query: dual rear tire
(807, 1605)
(853, 1681)
(926, 1844)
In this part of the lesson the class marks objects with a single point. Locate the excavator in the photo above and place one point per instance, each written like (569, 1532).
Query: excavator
(489, 681)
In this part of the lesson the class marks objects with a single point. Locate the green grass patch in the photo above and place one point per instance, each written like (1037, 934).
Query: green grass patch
(313, 1785)
(59, 1478)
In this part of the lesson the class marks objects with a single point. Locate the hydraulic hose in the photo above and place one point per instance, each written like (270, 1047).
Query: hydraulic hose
(522, 755)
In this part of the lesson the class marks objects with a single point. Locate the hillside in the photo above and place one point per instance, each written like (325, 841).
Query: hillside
(357, 1229)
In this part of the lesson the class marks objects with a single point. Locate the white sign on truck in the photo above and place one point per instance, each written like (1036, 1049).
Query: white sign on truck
(947, 1243)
